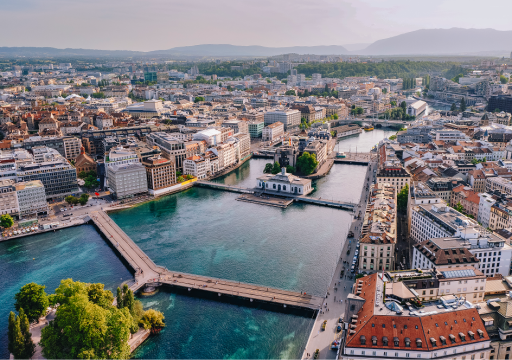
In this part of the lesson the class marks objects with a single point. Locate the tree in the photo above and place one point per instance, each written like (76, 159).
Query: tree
(11, 332)
(18, 341)
(276, 168)
(307, 163)
(83, 199)
(402, 198)
(29, 348)
(71, 200)
(198, 99)
(6, 221)
(152, 319)
(33, 300)
(290, 169)
(459, 207)
(290, 92)
(384, 91)
(403, 105)
(454, 107)
(180, 179)
(98, 95)
(503, 79)
(268, 168)
(189, 177)
(463, 104)
(335, 116)
(119, 298)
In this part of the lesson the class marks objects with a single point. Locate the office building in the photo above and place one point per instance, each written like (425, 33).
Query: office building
(289, 118)
(31, 198)
(127, 180)
(8, 199)
(160, 172)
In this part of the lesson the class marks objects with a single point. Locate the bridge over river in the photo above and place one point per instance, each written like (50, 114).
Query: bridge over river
(147, 273)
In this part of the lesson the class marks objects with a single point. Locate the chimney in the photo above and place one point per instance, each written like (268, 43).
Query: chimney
(283, 170)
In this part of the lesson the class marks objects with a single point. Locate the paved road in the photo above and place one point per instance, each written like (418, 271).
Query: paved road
(338, 289)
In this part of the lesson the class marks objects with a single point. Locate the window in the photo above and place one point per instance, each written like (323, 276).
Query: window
(385, 353)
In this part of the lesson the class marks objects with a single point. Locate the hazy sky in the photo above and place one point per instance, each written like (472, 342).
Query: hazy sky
(163, 24)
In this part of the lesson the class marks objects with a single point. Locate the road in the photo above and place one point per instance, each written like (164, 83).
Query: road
(339, 287)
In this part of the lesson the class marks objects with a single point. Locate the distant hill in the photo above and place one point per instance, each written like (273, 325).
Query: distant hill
(237, 50)
(356, 47)
(50, 51)
(453, 41)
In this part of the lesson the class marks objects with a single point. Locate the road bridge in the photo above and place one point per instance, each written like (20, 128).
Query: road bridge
(147, 273)
(219, 186)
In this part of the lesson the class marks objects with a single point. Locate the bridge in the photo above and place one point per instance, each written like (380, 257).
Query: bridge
(383, 122)
(147, 273)
(301, 198)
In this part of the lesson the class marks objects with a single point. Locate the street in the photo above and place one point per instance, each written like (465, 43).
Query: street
(340, 286)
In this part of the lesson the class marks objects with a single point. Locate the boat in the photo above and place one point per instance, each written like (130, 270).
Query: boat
(368, 127)
(341, 155)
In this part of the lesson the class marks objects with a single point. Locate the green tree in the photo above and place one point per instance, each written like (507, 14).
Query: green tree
(33, 300)
(180, 179)
(290, 169)
(83, 199)
(384, 91)
(307, 163)
(463, 104)
(403, 105)
(119, 298)
(268, 168)
(98, 95)
(11, 332)
(152, 319)
(454, 107)
(459, 207)
(503, 79)
(198, 99)
(335, 116)
(189, 177)
(276, 168)
(29, 348)
(6, 221)
(290, 92)
(402, 198)
(18, 341)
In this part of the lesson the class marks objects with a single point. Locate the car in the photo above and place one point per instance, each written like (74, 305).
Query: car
(341, 320)
(61, 209)
(352, 269)
(338, 328)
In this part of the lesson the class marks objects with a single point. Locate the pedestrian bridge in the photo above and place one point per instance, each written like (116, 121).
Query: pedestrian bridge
(148, 273)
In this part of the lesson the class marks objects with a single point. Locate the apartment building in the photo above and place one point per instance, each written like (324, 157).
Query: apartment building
(197, 166)
(498, 183)
(244, 145)
(160, 172)
(72, 146)
(238, 126)
(394, 175)
(319, 149)
(377, 246)
(484, 208)
(172, 148)
(468, 198)
(127, 180)
(8, 199)
(31, 198)
(443, 187)
(255, 128)
(273, 132)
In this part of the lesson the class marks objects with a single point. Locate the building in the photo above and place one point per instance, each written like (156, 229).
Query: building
(84, 163)
(468, 198)
(416, 108)
(172, 148)
(443, 187)
(197, 166)
(501, 102)
(273, 132)
(284, 183)
(449, 135)
(67, 146)
(31, 198)
(394, 175)
(484, 208)
(379, 328)
(58, 177)
(238, 126)
(8, 199)
(448, 229)
(319, 149)
(145, 110)
(244, 145)
(127, 180)
(255, 128)
(415, 134)
(503, 185)
(377, 246)
(160, 172)
(290, 118)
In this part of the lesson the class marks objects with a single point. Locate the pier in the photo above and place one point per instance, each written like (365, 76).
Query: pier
(147, 273)
(282, 195)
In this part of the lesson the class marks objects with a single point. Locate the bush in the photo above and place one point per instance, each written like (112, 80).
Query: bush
(33, 300)
(6, 221)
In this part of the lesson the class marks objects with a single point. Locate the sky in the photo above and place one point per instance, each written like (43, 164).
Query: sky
(146, 25)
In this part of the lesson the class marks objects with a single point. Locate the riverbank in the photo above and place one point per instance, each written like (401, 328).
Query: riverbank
(231, 168)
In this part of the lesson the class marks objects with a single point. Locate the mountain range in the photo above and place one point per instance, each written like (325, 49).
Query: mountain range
(455, 41)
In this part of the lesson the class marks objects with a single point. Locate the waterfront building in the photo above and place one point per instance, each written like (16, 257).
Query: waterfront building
(211, 136)
(197, 166)
(284, 183)
(160, 172)
(379, 328)
(58, 177)
(273, 132)
(31, 198)
(127, 180)
(244, 145)
(289, 118)
(415, 134)
(8, 199)
(172, 148)
(319, 149)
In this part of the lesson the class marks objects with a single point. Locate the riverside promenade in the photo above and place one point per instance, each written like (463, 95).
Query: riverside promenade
(147, 273)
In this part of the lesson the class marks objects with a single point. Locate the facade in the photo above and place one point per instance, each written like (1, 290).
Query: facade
(498, 183)
(8, 199)
(284, 183)
(244, 145)
(419, 134)
(127, 180)
(238, 126)
(197, 166)
(484, 208)
(289, 118)
(172, 148)
(255, 128)
(394, 175)
(160, 172)
(84, 162)
(273, 131)
(72, 146)
(468, 198)
(31, 198)
(319, 148)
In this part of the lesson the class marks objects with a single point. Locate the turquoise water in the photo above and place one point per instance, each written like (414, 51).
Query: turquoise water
(79, 253)
(200, 328)
(365, 141)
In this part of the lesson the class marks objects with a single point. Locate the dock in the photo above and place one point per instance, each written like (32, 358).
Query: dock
(147, 273)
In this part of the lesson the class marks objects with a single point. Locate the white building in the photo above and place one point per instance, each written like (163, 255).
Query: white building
(449, 135)
(284, 183)
(273, 132)
(31, 198)
(8, 199)
(484, 209)
(211, 136)
(197, 166)
(416, 108)
(127, 180)
(289, 118)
